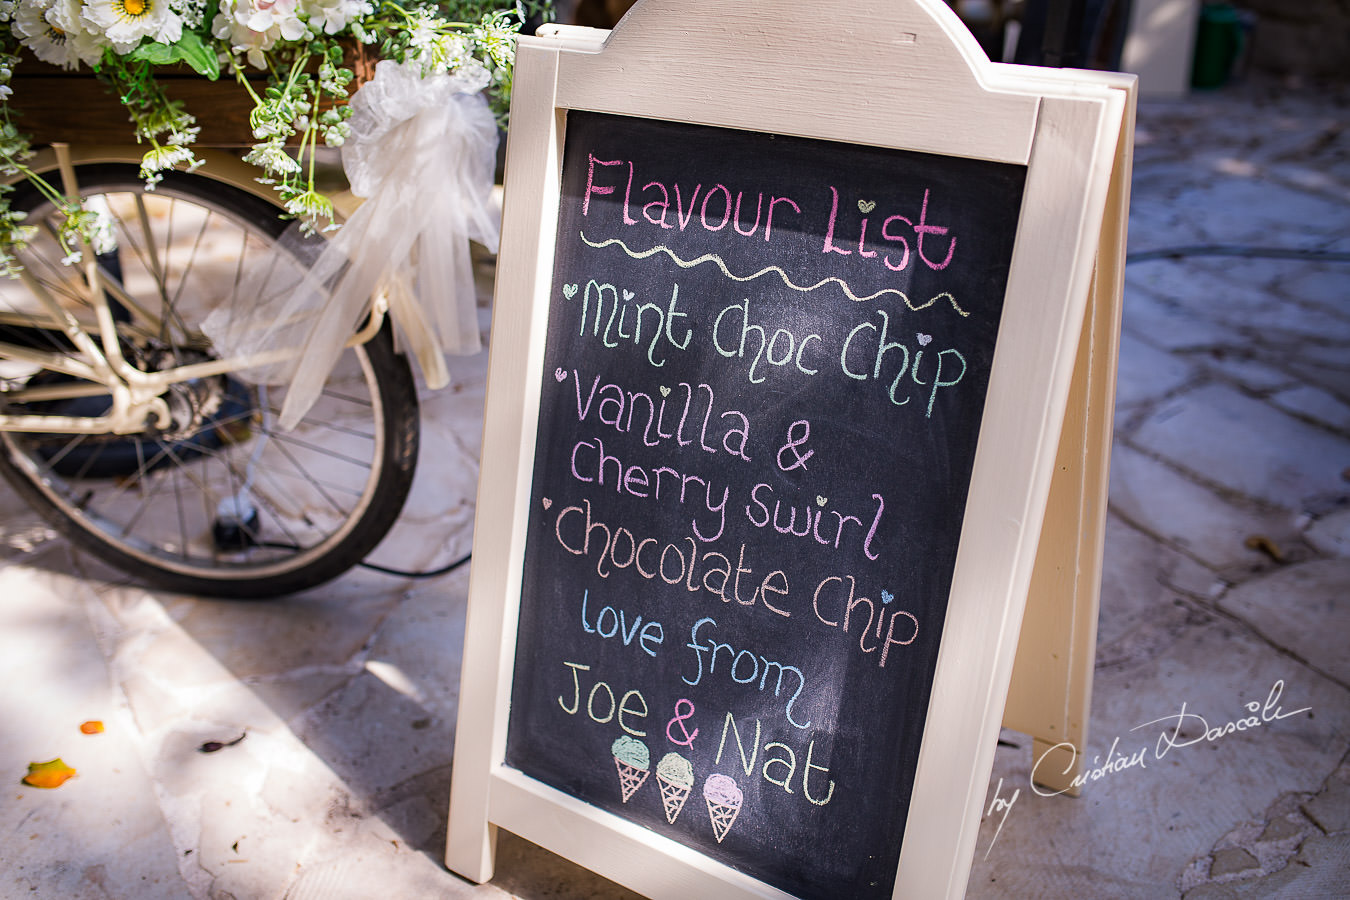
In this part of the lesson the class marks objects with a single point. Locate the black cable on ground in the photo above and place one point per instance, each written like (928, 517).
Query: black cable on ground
(434, 573)
(386, 570)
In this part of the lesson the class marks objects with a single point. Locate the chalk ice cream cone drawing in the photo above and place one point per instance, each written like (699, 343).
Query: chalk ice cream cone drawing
(633, 761)
(724, 800)
(676, 778)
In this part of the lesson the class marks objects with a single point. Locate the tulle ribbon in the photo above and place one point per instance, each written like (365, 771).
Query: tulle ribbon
(422, 153)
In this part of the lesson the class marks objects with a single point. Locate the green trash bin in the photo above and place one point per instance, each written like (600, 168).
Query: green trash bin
(1219, 40)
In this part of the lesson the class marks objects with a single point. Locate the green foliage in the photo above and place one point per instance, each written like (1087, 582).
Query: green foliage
(306, 94)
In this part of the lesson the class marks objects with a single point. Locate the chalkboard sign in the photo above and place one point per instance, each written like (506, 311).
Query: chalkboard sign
(790, 305)
(764, 376)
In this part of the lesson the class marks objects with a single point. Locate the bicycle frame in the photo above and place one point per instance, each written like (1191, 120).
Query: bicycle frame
(104, 370)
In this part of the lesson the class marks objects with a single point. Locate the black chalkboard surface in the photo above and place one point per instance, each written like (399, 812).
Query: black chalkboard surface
(765, 371)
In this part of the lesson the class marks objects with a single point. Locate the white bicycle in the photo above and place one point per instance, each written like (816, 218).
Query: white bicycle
(127, 429)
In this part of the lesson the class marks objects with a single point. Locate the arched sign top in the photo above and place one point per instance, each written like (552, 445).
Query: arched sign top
(805, 68)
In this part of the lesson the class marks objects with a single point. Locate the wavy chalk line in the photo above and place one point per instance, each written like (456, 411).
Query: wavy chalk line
(714, 258)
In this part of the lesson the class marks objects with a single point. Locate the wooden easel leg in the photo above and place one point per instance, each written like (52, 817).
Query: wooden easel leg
(1050, 694)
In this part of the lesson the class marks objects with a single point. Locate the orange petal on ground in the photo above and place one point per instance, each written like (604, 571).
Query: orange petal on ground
(50, 774)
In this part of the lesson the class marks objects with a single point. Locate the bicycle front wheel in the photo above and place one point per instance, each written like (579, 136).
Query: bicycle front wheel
(218, 501)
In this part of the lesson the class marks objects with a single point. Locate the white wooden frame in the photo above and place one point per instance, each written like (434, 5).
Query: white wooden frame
(788, 67)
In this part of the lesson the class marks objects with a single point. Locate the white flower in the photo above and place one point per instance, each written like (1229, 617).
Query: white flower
(272, 157)
(85, 43)
(333, 15)
(48, 43)
(253, 26)
(127, 22)
(423, 31)
(190, 11)
(264, 15)
(55, 34)
(242, 39)
(165, 157)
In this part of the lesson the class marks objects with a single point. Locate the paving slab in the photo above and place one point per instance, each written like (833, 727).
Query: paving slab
(1252, 211)
(1315, 404)
(1246, 370)
(1214, 290)
(1331, 534)
(1212, 528)
(1323, 284)
(1247, 446)
(1304, 609)
(1163, 323)
(1147, 373)
(1323, 367)
(1174, 793)
(73, 841)
(1319, 872)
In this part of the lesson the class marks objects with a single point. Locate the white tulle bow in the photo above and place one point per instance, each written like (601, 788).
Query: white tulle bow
(422, 153)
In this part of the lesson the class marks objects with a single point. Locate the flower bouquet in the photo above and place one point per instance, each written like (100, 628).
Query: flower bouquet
(418, 137)
(303, 48)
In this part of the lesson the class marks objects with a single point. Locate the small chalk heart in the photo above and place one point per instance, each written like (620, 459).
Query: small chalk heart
(821, 501)
(886, 596)
(547, 502)
(665, 391)
(560, 374)
(923, 339)
(569, 291)
(628, 295)
(866, 206)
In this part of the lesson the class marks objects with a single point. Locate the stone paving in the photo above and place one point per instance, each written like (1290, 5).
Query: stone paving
(1227, 583)
(1227, 571)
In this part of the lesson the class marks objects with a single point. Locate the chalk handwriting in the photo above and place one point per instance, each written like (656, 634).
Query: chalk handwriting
(854, 362)
(684, 710)
(622, 304)
(610, 623)
(622, 409)
(590, 462)
(780, 760)
(920, 231)
(778, 350)
(604, 709)
(616, 548)
(787, 281)
(743, 667)
(783, 519)
(827, 595)
(795, 439)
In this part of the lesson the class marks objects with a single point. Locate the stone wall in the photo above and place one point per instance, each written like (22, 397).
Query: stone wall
(1310, 38)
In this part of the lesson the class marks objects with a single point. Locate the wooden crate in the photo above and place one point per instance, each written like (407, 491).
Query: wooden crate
(54, 105)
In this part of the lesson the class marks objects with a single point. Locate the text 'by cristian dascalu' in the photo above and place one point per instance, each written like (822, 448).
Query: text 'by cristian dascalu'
(1183, 728)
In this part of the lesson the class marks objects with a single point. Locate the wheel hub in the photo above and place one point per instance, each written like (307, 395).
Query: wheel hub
(206, 415)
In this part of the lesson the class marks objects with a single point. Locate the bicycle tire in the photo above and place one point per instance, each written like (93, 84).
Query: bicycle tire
(259, 513)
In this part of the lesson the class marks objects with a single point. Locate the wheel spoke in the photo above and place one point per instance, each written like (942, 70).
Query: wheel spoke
(218, 497)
